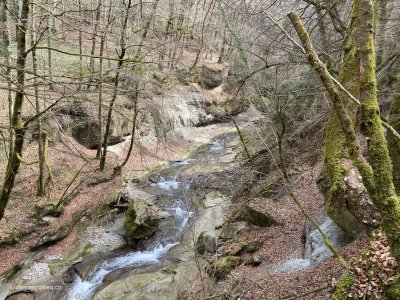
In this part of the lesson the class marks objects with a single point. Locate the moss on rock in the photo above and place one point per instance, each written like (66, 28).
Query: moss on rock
(222, 267)
(143, 226)
(9, 241)
(206, 77)
(343, 288)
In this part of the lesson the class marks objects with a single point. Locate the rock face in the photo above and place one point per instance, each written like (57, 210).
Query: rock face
(254, 217)
(80, 121)
(315, 249)
(206, 242)
(207, 78)
(21, 296)
(157, 285)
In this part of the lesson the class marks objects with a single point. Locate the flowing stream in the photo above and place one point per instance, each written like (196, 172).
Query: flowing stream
(181, 211)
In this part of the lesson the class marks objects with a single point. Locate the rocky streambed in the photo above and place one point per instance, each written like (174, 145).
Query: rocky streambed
(147, 252)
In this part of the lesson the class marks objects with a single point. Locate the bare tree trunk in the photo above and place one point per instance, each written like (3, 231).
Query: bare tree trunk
(116, 84)
(135, 114)
(101, 80)
(80, 46)
(14, 162)
(41, 181)
(222, 52)
(203, 29)
(51, 29)
(96, 20)
(7, 42)
(146, 28)
(166, 35)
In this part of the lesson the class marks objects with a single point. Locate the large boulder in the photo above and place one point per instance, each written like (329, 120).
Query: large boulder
(207, 77)
(237, 248)
(221, 267)
(315, 249)
(206, 242)
(141, 220)
(254, 217)
(156, 285)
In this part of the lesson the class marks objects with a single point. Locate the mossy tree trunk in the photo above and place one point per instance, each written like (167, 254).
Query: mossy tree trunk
(393, 142)
(14, 160)
(340, 202)
(376, 173)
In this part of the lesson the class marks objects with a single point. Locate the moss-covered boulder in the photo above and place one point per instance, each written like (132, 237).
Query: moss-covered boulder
(48, 210)
(237, 248)
(207, 77)
(223, 266)
(9, 241)
(236, 106)
(141, 221)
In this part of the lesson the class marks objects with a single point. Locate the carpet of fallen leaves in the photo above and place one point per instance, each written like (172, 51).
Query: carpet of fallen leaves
(373, 269)
(280, 244)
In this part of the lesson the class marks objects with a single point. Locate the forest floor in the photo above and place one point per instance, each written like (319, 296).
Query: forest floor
(281, 244)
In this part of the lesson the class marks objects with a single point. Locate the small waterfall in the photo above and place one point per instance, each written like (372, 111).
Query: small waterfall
(167, 185)
(181, 212)
(84, 289)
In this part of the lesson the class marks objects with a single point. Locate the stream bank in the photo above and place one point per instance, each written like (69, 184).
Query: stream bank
(170, 189)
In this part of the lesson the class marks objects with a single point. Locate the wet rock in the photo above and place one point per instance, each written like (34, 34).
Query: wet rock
(68, 276)
(22, 295)
(156, 285)
(221, 267)
(254, 217)
(141, 220)
(206, 242)
(84, 268)
(315, 249)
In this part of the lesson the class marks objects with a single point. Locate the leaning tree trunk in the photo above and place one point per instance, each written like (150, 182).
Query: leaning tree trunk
(14, 160)
(345, 192)
(376, 173)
